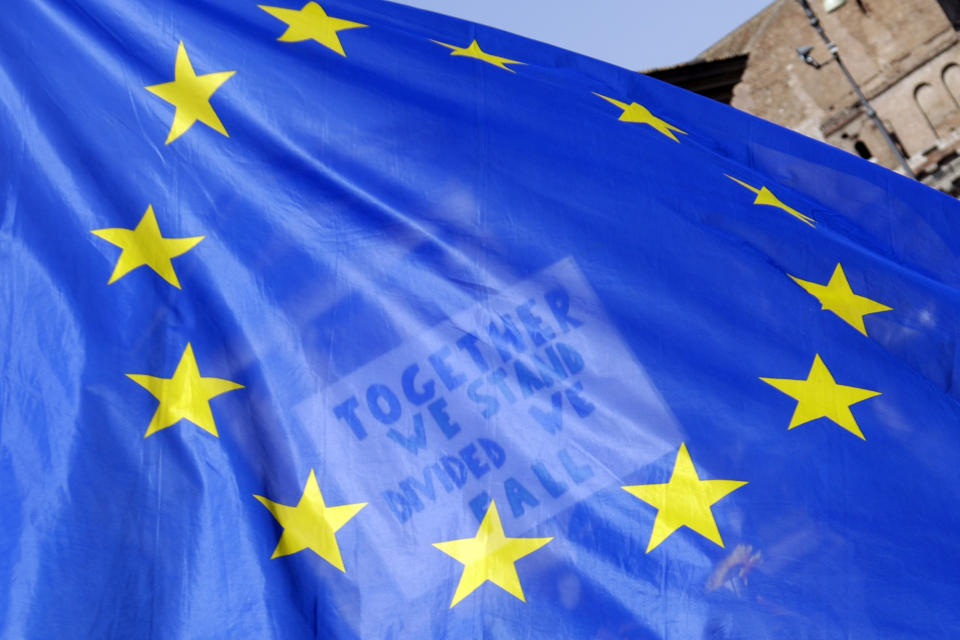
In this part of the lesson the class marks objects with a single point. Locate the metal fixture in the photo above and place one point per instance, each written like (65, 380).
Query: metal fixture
(832, 5)
(804, 53)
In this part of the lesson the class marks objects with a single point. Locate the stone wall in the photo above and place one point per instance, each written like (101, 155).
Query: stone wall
(903, 53)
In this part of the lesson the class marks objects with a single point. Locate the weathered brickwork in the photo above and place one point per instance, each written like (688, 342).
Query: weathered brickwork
(904, 54)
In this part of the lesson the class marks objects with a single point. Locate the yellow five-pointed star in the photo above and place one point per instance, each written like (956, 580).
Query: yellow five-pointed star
(185, 396)
(837, 296)
(474, 51)
(311, 524)
(684, 501)
(634, 112)
(145, 245)
(311, 23)
(766, 197)
(489, 555)
(819, 396)
(191, 94)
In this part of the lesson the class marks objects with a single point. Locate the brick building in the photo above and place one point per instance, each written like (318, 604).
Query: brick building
(904, 54)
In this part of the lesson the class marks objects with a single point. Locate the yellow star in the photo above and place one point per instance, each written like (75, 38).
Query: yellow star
(684, 501)
(191, 94)
(766, 197)
(311, 524)
(634, 112)
(145, 245)
(474, 51)
(837, 296)
(489, 555)
(311, 23)
(185, 396)
(819, 396)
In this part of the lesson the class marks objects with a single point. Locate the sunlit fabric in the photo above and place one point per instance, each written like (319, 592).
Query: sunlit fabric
(347, 320)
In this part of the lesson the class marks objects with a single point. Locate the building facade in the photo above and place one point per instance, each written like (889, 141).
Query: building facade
(905, 54)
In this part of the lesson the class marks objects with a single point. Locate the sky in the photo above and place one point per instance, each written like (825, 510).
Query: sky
(636, 34)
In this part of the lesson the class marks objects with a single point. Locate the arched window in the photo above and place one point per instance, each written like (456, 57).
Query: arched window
(951, 80)
(937, 108)
(862, 149)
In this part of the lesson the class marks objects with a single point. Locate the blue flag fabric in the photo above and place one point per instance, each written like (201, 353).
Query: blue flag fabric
(350, 320)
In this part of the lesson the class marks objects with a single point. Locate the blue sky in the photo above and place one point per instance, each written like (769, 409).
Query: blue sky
(637, 34)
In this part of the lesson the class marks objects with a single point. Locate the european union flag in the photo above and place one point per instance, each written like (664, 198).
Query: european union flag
(347, 320)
